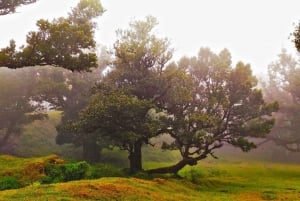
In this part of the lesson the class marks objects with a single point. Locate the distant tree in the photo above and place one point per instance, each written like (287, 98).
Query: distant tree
(9, 6)
(74, 100)
(64, 42)
(68, 92)
(283, 86)
(211, 104)
(16, 106)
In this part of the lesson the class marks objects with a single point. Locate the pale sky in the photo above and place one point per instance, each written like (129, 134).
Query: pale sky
(254, 31)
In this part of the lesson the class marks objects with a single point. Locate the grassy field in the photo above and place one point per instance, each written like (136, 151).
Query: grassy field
(211, 180)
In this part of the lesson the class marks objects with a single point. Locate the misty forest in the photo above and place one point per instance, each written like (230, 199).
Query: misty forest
(79, 121)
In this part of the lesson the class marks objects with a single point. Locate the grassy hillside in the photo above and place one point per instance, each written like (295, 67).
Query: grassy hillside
(23, 171)
(211, 180)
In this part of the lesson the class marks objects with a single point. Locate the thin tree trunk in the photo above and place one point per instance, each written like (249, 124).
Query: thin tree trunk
(4, 140)
(91, 151)
(135, 157)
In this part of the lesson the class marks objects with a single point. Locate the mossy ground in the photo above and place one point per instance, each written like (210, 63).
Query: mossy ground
(211, 180)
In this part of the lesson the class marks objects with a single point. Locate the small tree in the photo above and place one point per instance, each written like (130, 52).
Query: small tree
(126, 121)
(211, 104)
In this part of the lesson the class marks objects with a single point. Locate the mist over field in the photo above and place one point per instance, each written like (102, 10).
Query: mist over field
(188, 103)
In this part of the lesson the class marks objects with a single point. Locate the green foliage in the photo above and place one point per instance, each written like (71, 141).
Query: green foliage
(65, 172)
(9, 182)
(122, 108)
(75, 171)
(210, 104)
(64, 42)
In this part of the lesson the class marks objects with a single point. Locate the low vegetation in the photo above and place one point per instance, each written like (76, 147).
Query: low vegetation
(214, 180)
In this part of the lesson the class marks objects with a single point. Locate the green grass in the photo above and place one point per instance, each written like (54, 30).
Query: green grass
(210, 180)
(246, 180)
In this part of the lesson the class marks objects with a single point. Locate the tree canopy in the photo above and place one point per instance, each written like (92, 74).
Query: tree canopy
(9, 6)
(64, 42)
(212, 104)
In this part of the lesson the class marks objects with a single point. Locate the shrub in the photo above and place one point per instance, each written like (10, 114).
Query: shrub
(53, 174)
(65, 172)
(9, 182)
(75, 171)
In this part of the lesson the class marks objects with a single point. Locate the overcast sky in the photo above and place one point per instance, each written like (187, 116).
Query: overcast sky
(254, 31)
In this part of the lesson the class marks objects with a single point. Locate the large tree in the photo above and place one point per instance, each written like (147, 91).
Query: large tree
(138, 71)
(9, 6)
(129, 92)
(211, 104)
(64, 42)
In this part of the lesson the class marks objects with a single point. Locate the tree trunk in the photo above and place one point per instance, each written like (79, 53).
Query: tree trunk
(174, 168)
(91, 151)
(135, 157)
(4, 141)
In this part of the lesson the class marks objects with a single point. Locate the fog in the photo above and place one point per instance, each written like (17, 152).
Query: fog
(253, 31)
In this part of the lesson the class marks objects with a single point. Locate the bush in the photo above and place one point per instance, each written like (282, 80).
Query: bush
(65, 172)
(53, 173)
(9, 182)
(75, 171)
